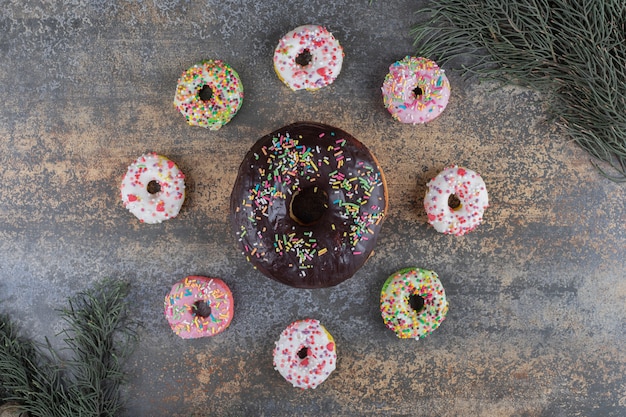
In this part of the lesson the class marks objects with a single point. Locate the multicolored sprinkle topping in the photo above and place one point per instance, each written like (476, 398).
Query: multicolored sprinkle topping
(323, 58)
(415, 90)
(471, 191)
(305, 354)
(182, 311)
(396, 309)
(153, 188)
(281, 165)
(226, 91)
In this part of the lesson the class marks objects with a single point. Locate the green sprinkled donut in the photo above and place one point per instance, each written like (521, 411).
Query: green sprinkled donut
(413, 303)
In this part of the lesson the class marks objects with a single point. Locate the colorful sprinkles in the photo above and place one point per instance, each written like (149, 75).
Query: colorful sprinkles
(276, 169)
(325, 57)
(471, 191)
(397, 312)
(415, 90)
(305, 354)
(180, 307)
(226, 94)
(153, 188)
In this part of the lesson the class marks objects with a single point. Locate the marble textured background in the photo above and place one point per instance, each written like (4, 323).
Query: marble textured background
(537, 293)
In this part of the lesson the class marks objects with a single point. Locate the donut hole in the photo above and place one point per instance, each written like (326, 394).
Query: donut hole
(417, 92)
(454, 202)
(201, 309)
(308, 205)
(304, 58)
(153, 187)
(205, 93)
(416, 302)
(303, 353)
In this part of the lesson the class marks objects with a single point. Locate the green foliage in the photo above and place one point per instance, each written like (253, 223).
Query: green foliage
(574, 51)
(100, 337)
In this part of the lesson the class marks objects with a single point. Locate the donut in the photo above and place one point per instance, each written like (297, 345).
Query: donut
(305, 354)
(307, 205)
(209, 94)
(309, 57)
(153, 188)
(199, 307)
(413, 303)
(415, 90)
(456, 200)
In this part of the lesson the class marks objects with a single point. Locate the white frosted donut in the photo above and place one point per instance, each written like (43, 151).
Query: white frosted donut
(153, 188)
(415, 90)
(471, 192)
(305, 354)
(309, 57)
(224, 94)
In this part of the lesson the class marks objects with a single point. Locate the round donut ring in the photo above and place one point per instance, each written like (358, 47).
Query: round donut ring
(153, 188)
(415, 90)
(209, 94)
(309, 57)
(413, 303)
(445, 213)
(305, 354)
(198, 307)
(308, 204)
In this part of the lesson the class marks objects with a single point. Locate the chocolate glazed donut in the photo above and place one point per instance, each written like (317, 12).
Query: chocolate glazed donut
(307, 205)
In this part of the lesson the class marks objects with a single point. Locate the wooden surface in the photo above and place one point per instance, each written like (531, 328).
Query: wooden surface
(537, 293)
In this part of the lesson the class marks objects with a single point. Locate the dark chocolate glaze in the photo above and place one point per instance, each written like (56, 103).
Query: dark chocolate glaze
(288, 162)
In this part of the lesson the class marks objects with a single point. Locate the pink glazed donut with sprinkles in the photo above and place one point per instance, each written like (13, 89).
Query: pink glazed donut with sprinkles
(153, 188)
(456, 200)
(305, 354)
(309, 57)
(415, 90)
(199, 307)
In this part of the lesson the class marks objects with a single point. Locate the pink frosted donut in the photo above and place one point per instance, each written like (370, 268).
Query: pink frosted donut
(415, 90)
(456, 200)
(309, 57)
(199, 307)
(305, 354)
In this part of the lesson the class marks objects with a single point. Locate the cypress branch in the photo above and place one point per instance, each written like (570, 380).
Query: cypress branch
(99, 336)
(575, 51)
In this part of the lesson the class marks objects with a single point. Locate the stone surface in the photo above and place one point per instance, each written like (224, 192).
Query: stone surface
(537, 293)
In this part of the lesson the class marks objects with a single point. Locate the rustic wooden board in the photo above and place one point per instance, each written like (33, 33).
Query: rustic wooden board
(537, 293)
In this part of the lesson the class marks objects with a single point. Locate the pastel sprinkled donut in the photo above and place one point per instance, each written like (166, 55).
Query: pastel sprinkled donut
(415, 90)
(209, 94)
(413, 303)
(307, 205)
(305, 354)
(153, 188)
(456, 200)
(309, 57)
(198, 307)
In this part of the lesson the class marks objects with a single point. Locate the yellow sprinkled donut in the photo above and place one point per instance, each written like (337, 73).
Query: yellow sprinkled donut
(209, 94)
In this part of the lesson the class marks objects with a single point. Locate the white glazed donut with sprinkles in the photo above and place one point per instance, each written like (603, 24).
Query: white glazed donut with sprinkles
(153, 188)
(305, 354)
(308, 57)
(209, 94)
(415, 90)
(456, 200)
(413, 303)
